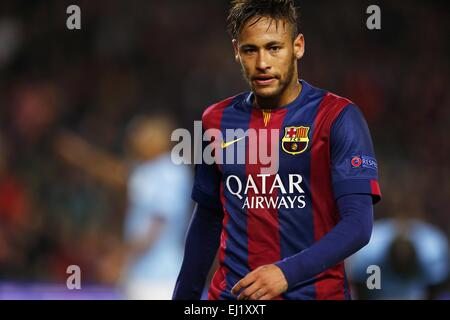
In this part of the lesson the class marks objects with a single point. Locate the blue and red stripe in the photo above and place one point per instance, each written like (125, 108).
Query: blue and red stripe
(330, 284)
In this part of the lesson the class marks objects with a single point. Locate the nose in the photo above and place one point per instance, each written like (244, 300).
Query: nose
(262, 62)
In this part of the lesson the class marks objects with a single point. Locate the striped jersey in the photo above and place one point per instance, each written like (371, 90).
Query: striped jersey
(320, 149)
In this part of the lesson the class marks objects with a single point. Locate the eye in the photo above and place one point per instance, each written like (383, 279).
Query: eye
(275, 48)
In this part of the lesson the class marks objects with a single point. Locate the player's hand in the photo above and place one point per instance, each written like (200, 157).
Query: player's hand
(263, 283)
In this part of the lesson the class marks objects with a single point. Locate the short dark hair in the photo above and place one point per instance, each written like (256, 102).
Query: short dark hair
(242, 11)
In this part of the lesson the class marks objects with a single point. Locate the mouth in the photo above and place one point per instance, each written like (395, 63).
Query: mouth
(263, 79)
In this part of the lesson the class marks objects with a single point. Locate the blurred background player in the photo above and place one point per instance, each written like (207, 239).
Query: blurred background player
(413, 257)
(158, 202)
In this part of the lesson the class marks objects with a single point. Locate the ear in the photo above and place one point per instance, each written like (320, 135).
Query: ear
(299, 46)
(236, 49)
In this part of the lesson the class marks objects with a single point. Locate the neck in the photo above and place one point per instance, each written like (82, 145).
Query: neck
(286, 97)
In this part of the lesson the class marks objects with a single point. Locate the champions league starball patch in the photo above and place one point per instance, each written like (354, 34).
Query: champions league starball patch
(363, 161)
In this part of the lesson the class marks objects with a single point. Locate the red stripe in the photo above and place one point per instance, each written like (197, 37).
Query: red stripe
(263, 230)
(212, 119)
(375, 187)
(212, 116)
(330, 283)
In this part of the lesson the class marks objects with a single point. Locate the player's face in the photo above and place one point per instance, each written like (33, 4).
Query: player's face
(268, 55)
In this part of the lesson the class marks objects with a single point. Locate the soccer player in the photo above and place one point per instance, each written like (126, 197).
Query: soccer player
(283, 235)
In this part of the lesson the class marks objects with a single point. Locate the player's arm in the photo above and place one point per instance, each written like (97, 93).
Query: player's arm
(348, 236)
(351, 234)
(96, 162)
(203, 236)
(202, 243)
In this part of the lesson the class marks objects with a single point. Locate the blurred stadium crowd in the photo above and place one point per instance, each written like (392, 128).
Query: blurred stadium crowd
(140, 57)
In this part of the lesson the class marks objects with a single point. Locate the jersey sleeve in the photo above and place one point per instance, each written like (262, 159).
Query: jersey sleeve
(354, 167)
(206, 190)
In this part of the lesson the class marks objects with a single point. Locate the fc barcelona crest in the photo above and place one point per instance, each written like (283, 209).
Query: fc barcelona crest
(295, 140)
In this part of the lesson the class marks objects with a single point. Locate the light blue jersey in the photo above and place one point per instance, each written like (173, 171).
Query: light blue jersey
(432, 253)
(158, 189)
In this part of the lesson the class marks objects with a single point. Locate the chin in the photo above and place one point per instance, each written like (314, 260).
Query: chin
(267, 92)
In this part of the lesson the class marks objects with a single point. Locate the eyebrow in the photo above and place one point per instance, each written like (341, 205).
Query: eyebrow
(274, 43)
(269, 44)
